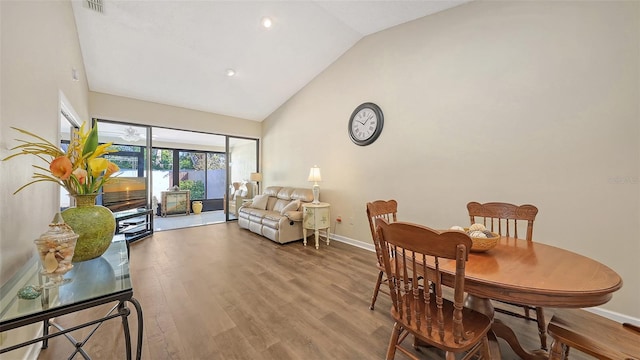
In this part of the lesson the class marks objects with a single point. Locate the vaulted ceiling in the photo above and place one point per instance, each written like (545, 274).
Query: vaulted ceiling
(178, 52)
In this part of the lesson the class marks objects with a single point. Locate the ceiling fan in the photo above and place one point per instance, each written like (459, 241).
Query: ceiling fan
(131, 134)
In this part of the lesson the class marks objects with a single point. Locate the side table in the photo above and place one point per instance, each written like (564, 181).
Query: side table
(316, 217)
(95, 282)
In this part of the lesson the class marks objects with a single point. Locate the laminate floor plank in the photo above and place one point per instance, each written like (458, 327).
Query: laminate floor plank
(220, 292)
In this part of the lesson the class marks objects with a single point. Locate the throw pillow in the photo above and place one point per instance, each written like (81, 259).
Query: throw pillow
(292, 206)
(259, 202)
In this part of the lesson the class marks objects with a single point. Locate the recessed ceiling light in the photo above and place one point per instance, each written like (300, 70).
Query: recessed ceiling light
(266, 22)
(231, 72)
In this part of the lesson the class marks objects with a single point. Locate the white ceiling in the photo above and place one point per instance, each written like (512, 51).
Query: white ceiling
(177, 52)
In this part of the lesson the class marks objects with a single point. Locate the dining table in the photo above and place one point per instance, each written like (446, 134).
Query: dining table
(531, 273)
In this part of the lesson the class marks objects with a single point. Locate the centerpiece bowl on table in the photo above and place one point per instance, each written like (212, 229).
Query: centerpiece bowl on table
(481, 239)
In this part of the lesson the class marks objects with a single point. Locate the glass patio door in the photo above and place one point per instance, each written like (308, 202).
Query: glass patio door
(242, 155)
(129, 189)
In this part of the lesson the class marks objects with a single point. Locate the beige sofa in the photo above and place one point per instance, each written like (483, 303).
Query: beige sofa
(276, 214)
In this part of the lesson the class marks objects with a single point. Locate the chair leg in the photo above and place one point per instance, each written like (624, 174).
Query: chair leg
(557, 351)
(376, 290)
(395, 335)
(542, 328)
(485, 353)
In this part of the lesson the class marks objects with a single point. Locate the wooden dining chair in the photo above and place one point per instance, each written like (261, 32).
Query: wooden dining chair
(432, 319)
(380, 209)
(593, 335)
(505, 219)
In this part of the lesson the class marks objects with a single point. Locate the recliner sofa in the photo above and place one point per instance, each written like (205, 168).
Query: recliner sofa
(276, 214)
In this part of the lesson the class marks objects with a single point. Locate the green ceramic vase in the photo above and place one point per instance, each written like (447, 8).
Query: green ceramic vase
(94, 223)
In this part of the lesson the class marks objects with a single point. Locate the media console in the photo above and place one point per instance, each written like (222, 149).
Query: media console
(134, 224)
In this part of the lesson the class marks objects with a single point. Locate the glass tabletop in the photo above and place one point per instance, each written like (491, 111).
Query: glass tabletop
(92, 279)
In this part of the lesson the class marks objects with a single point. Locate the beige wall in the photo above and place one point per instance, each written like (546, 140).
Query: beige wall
(526, 102)
(522, 102)
(242, 154)
(39, 49)
(110, 107)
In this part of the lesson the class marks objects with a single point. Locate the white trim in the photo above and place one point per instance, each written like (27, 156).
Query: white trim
(68, 113)
(67, 109)
(356, 243)
(20, 335)
(611, 315)
(33, 350)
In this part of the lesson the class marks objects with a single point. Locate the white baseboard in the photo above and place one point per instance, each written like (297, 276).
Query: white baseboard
(612, 315)
(356, 243)
(15, 336)
(33, 350)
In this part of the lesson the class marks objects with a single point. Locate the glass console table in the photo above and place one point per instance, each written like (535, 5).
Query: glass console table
(94, 282)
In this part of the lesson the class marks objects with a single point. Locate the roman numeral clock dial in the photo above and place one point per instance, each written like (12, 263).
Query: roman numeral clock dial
(365, 124)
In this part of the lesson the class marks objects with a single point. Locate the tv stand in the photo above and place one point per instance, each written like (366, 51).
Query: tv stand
(135, 224)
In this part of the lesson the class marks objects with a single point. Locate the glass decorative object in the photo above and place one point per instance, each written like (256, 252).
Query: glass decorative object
(56, 248)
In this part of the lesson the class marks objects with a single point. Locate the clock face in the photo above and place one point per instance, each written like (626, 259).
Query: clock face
(365, 124)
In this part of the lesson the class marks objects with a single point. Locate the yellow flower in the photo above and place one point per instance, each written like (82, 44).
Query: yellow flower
(97, 166)
(80, 170)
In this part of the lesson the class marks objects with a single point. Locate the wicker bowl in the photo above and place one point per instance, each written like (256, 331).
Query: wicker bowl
(484, 244)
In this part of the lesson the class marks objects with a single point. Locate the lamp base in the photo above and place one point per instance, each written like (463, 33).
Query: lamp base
(316, 194)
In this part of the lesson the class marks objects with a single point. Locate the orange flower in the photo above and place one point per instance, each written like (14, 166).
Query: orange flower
(112, 168)
(81, 175)
(79, 169)
(61, 167)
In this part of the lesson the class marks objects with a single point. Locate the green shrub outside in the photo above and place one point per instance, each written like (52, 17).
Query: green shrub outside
(195, 186)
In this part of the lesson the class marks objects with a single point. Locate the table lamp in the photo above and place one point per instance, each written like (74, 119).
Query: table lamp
(314, 175)
(257, 177)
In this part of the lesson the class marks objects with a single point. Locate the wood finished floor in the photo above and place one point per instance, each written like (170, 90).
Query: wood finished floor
(219, 292)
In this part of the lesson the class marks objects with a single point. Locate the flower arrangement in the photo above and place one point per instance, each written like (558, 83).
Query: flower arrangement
(80, 170)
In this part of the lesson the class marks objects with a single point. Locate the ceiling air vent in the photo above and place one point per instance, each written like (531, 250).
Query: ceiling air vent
(95, 5)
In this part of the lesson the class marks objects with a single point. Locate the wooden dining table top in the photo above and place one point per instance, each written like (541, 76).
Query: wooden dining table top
(536, 274)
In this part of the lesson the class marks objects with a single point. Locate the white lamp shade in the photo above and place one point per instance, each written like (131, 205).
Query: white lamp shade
(256, 177)
(314, 174)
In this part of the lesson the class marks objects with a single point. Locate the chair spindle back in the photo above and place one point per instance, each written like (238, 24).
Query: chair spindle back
(503, 218)
(380, 209)
(423, 249)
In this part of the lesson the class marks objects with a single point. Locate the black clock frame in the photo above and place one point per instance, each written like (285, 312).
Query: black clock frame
(376, 109)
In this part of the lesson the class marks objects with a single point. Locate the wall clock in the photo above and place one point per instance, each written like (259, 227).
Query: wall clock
(365, 124)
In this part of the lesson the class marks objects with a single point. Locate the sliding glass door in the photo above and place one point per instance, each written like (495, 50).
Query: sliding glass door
(130, 188)
(243, 162)
(218, 170)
